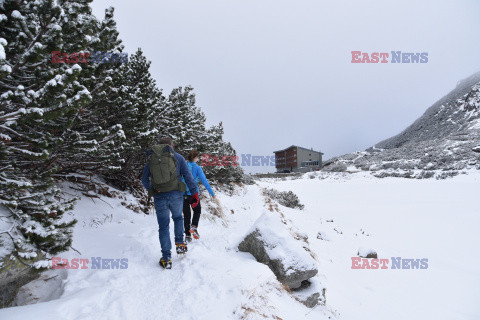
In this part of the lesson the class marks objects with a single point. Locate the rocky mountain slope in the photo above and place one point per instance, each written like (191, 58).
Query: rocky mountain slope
(444, 141)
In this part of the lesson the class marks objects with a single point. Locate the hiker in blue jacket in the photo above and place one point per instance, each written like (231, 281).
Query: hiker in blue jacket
(197, 174)
(164, 176)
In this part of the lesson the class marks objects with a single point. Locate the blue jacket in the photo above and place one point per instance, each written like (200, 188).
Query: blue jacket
(183, 174)
(197, 173)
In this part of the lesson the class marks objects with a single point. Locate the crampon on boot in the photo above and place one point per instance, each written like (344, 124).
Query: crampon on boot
(181, 248)
(165, 263)
(188, 238)
(194, 232)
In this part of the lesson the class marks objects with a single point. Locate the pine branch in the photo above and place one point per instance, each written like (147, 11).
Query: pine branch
(75, 250)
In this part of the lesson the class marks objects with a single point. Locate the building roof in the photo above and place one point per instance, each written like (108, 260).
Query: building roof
(297, 147)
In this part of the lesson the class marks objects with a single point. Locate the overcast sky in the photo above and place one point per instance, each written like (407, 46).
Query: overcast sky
(279, 73)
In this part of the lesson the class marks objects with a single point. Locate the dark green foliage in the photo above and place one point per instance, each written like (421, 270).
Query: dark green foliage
(138, 107)
(189, 132)
(285, 198)
(37, 99)
(81, 120)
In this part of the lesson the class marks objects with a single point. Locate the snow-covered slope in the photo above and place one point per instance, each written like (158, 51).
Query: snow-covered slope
(445, 138)
(440, 120)
(213, 281)
(397, 217)
(343, 213)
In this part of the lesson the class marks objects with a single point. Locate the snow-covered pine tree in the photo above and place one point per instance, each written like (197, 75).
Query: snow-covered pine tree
(187, 121)
(188, 130)
(139, 108)
(63, 118)
(92, 144)
(34, 96)
(220, 164)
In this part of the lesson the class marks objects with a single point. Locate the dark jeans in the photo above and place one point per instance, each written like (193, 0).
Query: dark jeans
(164, 204)
(187, 214)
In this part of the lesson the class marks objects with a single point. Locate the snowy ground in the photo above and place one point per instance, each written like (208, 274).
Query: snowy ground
(397, 217)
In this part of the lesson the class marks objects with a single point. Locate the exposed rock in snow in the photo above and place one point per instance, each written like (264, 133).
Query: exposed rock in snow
(476, 149)
(311, 293)
(13, 275)
(270, 243)
(367, 253)
(48, 286)
(322, 235)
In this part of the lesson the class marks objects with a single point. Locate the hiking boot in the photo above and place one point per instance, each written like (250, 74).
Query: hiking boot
(165, 263)
(194, 232)
(188, 238)
(181, 248)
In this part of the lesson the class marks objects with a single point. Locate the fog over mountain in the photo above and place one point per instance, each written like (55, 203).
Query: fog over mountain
(442, 142)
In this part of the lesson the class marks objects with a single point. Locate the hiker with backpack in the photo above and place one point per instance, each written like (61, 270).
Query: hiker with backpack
(162, 177)
(197, 173)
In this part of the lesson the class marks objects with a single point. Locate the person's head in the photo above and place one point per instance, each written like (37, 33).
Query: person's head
(192, 156)
(166, 140)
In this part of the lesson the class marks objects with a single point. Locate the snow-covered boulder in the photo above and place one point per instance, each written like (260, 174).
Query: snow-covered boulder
(270, 243)
(476, 149)
(367, 253)
(48, 286)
